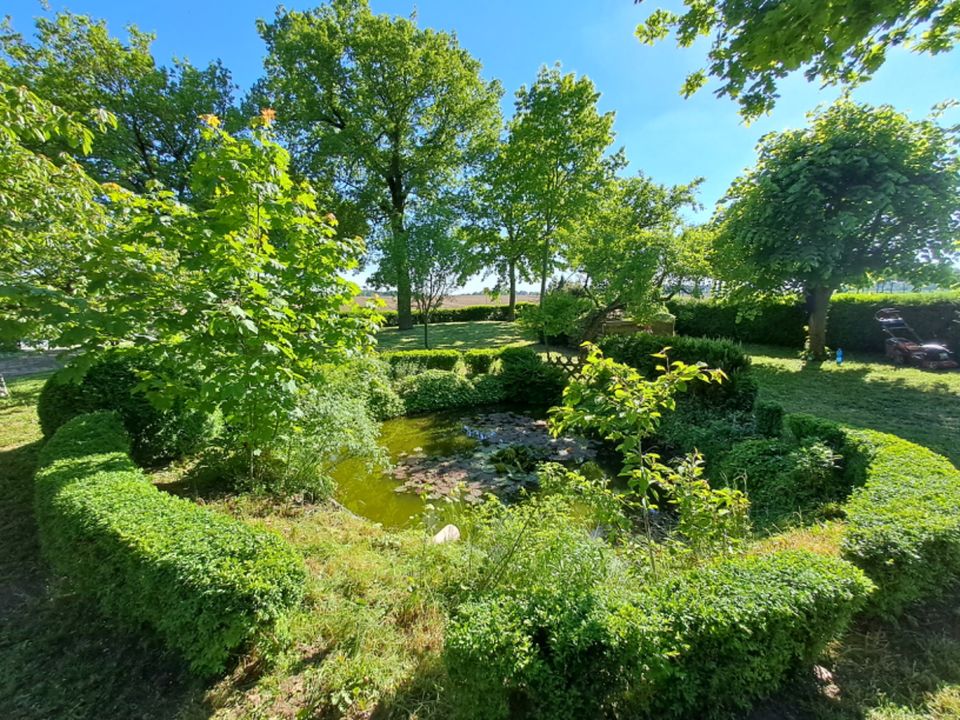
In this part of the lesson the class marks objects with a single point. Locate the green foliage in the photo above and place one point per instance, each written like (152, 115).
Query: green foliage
(433, 390)
(423, 359)
(780, 321)
(254, 271)
(75, 63)
(904, 523)
(481, 360)
(755, 44)
(709, 520)
(461, 314)
(528, 380)
(639, 350)
(113, 383)
(864, 192)
(560, 317)
(783, 479)
(769, 419)
(384, 110)
(205, 583)
(552, 625)
(369, 378)
(709, 431)
(489, 390)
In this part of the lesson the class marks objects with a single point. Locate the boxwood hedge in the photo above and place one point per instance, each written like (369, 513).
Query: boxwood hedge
(904, 523)
(460, 314)
(694, 645)
(205, 583)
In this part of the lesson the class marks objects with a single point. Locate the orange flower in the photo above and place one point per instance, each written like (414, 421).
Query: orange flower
(268, 115)
(211, 120)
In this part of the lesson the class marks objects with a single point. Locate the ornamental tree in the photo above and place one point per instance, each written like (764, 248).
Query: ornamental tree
(862, 193)
(626, 247)
(393, 114)
(755, 43)
(76, 64)
(562, 141)
(236, 300)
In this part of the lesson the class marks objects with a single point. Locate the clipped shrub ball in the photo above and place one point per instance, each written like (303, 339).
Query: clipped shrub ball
(436, 390)
(111, 384)
(528, 380)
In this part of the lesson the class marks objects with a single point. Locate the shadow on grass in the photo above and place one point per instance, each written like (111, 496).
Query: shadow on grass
(456, 336)
(929, 416)
(58, 657)
(881, 671)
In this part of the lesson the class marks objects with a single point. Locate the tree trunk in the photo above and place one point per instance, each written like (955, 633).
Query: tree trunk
(819, 305)
(512, 302)
(402, 270)
(544, 264)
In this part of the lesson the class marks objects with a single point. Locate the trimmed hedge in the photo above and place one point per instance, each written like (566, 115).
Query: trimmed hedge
(709, 640)
(904, 523)
(460, 314)
(110, 384)
(424, 359)
(738, 392)
(205, 583)
(851, 324)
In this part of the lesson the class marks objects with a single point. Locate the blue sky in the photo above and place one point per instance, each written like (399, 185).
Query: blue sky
(671, 139)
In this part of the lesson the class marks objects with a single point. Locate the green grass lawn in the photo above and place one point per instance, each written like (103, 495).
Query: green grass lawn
(368, 635)
(919, 405)
(456, 336)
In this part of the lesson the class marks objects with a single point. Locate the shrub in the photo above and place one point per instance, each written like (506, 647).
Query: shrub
(904, 523)
(368, 378)
(206, 583)
(436, 390)
(481, 360)
(112, 384)
(781, 478)
(739, 391)
(773, 322)
(424, 359)
(769, 419)
(489, 390)
(528, 380)
(558, 631)
(692, 427)
(461, 314)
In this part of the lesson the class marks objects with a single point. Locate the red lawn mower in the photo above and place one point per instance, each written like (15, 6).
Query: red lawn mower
(905, 347)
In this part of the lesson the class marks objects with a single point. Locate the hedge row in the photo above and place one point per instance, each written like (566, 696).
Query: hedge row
(706, 641)
(851, 324)
(461, 314)
(206, 583)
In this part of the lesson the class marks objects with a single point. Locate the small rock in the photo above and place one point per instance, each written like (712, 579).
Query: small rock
(449, 533)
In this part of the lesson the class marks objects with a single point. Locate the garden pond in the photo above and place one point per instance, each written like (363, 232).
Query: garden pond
(454, 455)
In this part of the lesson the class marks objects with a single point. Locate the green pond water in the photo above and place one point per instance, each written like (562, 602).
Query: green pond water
(371, 493)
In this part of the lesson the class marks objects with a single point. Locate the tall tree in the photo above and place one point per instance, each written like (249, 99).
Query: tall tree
(76, 64)
(394, 114)
(758, 42)
(624, 248)
(562, 140)
(862, 193)
(504, 229)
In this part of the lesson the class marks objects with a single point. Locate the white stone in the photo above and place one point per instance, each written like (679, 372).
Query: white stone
(449, 533)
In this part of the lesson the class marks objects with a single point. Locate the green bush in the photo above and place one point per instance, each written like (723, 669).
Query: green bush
(769, 419)
(692, 427)
(563, 634)
(436, 390)
(739, 391)
(462, 314)
(481, 360)
(903, 525)
(782, 478)
(851, 322)
(206, 583)
(528, 380)
(111, 384)
(489, 390)
(424, 359)
(369, 379)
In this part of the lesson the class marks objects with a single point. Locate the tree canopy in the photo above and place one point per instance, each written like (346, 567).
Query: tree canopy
(755, 43)
(393, 114)
(76, 64)
(862, 193)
